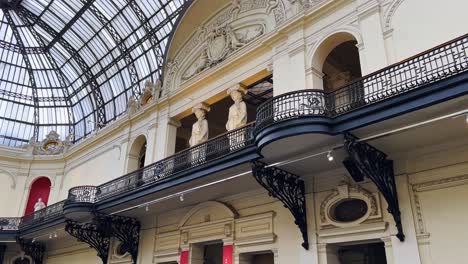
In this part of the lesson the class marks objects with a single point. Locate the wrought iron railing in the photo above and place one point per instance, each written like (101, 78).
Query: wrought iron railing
(213, 149)
(82, 194)
(428, 67)
(10, 223)
(50, 212)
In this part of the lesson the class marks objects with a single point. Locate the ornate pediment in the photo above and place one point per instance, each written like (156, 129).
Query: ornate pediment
(50, 145)
(222, 35)
(221, 42)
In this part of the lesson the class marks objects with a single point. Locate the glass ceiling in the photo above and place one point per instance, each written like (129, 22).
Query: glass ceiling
(70, 66)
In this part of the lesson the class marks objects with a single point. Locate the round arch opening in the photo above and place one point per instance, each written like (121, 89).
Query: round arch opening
(39, 191)
(137, 155)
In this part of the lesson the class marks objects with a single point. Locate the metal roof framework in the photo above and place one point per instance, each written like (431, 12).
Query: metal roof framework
(71, 66)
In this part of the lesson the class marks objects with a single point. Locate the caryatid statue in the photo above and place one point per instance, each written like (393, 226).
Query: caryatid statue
(238, 111)
(199, 128)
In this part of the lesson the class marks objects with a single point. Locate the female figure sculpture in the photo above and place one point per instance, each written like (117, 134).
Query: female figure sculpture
(199, 128)
(238, 111)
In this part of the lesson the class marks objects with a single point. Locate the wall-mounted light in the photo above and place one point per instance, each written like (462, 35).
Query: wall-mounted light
(181, 197)
(147, 208)
(330, 156)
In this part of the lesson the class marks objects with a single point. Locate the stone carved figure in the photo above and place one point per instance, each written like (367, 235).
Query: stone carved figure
(39, 205)
(199, 128)
(238, 111)
(132, 105)
(50, 145)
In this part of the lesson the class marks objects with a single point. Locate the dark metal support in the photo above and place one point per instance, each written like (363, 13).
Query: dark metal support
(127, 230)
(289, 189)
(32, 78)
(98, 234)
(2, 252)
(120, 45)
(365, 160)
(35, 250)
(95, 235)
(60, 75)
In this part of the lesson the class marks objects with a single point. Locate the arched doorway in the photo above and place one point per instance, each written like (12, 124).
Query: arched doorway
(137, 155)
(337, 58)
(342, 66)
(40, 189)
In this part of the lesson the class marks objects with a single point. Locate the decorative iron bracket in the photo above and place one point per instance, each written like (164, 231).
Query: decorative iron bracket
(95, 235)
(99, 233)
(365, 160)
(35, 250)
(2, 252)
(289, 189)
(127, 230)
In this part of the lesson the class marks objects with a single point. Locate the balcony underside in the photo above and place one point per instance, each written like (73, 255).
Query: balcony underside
(308, 131)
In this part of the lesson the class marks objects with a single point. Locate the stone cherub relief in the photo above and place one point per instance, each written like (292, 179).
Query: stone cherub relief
(238, 111)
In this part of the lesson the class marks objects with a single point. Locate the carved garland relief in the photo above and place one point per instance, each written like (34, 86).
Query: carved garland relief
(230, 30)
(345, 192)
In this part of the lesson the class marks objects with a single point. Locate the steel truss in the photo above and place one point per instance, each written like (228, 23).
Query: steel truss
(120, 45)
(32, 78)
(35, 250)
(365, 160)
(289, 189)
(91, 79)
(98, 234)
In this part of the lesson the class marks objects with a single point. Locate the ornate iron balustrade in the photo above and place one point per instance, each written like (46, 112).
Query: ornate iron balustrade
(428, 67)
(50, 212)
(10, 223)
(82, 194)
(214, 148)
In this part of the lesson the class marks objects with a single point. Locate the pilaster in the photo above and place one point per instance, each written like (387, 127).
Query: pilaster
(369, 18)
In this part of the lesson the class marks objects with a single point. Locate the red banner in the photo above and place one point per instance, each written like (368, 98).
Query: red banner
(184, 257)
(227, 254)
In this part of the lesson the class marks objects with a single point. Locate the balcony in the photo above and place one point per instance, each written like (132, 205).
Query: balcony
(442, 63)
(316, 111)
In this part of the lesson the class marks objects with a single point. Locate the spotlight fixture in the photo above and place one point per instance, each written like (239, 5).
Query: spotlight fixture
(50, 236)
(466, 120)
(181, 198)
(55, 235)
(147, 208)
(33, 240)
(330, 156)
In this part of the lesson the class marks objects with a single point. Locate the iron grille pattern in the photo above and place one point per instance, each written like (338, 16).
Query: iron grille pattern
(428, 67)
(48, 213)
(9, 223)
(211, 150)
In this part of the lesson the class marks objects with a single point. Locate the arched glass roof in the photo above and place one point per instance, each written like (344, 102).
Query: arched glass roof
(70, 66)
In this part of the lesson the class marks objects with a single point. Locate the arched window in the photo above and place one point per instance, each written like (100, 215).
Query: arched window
(40, 189)
(137, 154)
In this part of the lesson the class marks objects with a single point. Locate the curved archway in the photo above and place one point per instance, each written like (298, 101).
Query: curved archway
(337, 60)
(137, 154)
(40, 189)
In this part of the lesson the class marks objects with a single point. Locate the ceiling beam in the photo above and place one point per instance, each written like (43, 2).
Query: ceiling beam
(100, 114)
(29, 69)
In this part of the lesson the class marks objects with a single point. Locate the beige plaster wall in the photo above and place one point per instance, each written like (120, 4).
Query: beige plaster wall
(421, 24)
